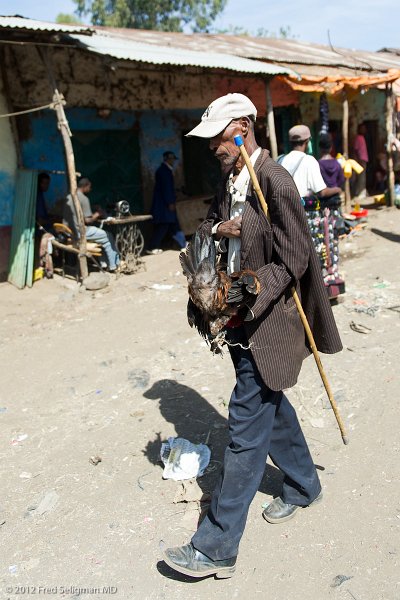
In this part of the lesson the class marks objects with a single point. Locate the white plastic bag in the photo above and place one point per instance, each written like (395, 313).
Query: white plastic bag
(184, 460)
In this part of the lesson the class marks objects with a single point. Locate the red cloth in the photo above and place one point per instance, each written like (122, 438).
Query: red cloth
(234, 321)
(360, 147)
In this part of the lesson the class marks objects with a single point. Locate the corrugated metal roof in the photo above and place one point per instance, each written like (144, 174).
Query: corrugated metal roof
(271, 49)
(324, 71)
(22, 23)
(123, 47)
(214, 51)
(391, 50)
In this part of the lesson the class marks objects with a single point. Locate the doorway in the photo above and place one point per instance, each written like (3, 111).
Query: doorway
(202, 171)
(111, 160)
(372, 139)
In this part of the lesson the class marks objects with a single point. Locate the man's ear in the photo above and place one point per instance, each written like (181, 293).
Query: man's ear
(245, 125)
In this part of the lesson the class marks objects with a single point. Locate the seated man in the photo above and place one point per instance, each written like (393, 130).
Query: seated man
(93, 233)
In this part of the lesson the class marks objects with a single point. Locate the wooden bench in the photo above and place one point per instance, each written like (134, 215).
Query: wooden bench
(66, 242)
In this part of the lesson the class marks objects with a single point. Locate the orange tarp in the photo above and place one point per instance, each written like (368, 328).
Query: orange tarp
(282, 95)
(333, 84)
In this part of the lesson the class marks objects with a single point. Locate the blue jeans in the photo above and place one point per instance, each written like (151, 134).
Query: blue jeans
(261, 422)
(106, 240)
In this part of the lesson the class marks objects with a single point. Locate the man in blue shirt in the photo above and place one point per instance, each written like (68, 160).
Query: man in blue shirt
(165, 219)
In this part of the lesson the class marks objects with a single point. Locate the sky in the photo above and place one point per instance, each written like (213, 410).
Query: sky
(359, 24)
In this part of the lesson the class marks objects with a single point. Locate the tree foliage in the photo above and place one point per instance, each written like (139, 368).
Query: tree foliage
(261, 32)
(67, 19)
(161, 15)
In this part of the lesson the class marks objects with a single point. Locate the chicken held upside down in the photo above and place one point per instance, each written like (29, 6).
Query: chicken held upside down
(214, 296)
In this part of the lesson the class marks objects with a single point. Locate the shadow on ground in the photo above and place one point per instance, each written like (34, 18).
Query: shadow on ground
(388, 235)
(193, 419)
(196, 420)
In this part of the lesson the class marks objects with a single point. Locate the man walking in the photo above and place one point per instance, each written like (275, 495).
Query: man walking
(93, 233)
(165, 219)
(267, 339)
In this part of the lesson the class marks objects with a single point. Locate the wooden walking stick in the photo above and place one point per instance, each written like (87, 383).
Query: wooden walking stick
(239, 142)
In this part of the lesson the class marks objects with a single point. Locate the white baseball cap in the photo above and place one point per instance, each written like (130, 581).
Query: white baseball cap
(221, 112)
(299, 133)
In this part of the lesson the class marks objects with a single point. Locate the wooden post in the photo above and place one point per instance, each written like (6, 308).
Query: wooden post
(271, 121)
(389, 152)
(63, 126)
(59, 101)
(345, 141)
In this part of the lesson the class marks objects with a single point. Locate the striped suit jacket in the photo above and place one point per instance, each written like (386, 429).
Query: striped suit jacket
(282, 254)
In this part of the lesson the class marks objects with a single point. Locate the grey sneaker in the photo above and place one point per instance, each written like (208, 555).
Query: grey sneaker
(279, 512)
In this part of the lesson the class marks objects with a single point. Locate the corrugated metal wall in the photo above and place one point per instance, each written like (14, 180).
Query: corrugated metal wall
(23, 230)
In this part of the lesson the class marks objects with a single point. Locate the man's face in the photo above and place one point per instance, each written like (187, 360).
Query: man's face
(170, 160)
(223, 146)
(44, 184)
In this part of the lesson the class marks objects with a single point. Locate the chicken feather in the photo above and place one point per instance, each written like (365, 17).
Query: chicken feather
(214, 296)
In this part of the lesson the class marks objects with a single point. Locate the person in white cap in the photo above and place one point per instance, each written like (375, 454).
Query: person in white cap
(266, 339)
(303, 167)
(318, 200)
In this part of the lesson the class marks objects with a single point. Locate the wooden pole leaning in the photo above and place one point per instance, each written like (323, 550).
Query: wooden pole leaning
(58, 101)
(389, 152)
(271, 122)
(345, 138)
(310, 337)
(63, 126)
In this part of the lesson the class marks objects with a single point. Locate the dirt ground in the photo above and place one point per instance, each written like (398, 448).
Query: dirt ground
(113, 373)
